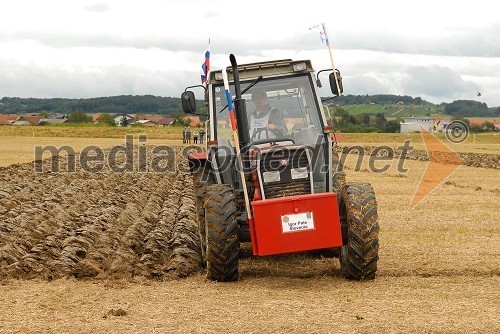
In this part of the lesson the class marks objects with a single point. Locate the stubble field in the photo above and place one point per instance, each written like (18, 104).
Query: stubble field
(102, 253)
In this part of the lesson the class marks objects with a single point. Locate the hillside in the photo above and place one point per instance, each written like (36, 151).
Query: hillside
(395, 110)
(392, 106)
(146, 104)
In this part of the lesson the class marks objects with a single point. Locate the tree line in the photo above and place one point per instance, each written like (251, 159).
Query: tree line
(458, 108)
(128, 104)
(171, 106)
(345, 122)
(379, 99)
(468, 108)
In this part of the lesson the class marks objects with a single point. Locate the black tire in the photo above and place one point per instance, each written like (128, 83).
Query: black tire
(338, 178)
(222, 252)
(338, 183)
(202, 178)
(358, 209)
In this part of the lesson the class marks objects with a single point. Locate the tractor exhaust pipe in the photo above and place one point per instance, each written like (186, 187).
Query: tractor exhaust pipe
(240, 106)
(237, 129)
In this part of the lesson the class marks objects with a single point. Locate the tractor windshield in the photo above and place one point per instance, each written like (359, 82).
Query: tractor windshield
(283, 108)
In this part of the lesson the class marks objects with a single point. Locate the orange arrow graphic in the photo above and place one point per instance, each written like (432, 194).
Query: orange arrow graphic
(443, 162)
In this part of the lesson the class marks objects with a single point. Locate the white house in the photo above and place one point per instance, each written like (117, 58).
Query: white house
(442, 125)
(119, 118)
(413, 124)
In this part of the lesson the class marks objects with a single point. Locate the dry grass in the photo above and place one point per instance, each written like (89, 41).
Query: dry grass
(439, 272)
(17, 142)
(22, 149)
(90, 131)
(475, 143)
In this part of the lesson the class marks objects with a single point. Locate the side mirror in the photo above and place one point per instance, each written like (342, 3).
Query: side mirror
(188, 102)
(333, 85)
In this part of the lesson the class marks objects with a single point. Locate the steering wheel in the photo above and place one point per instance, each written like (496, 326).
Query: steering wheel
(256, 134)
(276, 132)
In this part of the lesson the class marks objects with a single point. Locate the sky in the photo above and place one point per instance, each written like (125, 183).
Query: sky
(439, 50)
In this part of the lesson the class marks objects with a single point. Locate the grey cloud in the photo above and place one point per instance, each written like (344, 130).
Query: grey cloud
(484, 42)
(436, 81)
(362, 84)
(31, 81)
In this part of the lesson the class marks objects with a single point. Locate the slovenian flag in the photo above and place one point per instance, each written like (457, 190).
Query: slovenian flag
(322, 32)
(205, 67)
(229, 99)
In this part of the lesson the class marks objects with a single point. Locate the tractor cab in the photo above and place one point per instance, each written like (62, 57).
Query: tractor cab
(283, 115)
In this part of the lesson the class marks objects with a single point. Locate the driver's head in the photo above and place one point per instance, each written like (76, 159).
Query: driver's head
(259, 98)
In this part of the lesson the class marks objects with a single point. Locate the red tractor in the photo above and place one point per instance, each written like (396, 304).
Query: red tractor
(275, 181)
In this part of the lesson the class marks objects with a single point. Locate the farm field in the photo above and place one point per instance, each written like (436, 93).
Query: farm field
(102, 253)
(18, 142)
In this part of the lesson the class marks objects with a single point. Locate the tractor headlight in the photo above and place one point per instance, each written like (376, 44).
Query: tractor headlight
(299, 173)
(271, 177)
(297, 67)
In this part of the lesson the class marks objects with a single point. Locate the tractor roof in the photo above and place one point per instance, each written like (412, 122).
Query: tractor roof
(266, 69)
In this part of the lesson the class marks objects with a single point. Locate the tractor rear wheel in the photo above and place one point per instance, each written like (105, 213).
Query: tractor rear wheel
(221, 227)
(202, 178)
(358, 209)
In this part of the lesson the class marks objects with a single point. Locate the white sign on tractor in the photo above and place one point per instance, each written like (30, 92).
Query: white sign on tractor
(297, 222)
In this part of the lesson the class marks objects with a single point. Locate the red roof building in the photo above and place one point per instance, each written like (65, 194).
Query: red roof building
(4, 120)
(194, 121)
(28, 120)
(96, 118)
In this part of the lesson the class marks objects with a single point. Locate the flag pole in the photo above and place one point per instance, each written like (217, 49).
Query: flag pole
(236, 141)
(339, 93)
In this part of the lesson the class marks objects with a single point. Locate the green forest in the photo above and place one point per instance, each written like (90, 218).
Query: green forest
(390, 105)
(129, 104)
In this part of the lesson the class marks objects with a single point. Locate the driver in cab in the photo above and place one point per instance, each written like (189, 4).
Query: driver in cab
(265, 122)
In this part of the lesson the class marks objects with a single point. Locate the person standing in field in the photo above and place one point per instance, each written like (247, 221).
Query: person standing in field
(188, 136)
(195, 137)
(184, 135)
(202, 134)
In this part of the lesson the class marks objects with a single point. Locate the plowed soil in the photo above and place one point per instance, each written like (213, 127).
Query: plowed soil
(103, 253)
(104, 224)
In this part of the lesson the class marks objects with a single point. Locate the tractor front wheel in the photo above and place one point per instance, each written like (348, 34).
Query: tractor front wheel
(202, 178)
(221, 230)
(358, 209)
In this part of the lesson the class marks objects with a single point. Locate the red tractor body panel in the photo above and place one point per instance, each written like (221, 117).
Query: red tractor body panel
(197, 156)
(296, 223)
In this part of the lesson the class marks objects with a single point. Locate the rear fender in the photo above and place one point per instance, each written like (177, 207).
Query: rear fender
(197, 160)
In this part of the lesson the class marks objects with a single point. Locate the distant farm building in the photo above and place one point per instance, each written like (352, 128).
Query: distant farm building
(166, 121)
(440, 126)
(146, 122)
(96, 118)
(28, 120)
(413, 124)
(123, 119)
(194, 121)
(8, 119)
(54, 120)
(157, 120)
(4, 121)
